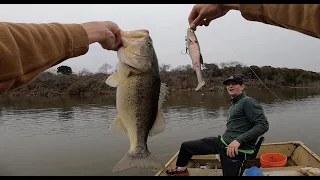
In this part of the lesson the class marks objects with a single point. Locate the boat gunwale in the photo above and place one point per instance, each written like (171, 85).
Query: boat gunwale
(168, 163)
(310, 151)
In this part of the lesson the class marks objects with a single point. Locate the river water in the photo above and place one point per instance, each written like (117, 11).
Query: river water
(70, 135)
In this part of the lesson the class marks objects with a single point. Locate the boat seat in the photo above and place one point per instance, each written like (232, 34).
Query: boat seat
(251, 156)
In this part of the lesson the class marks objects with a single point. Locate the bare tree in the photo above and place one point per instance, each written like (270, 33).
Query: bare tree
(105, 68)
(84, 72)
(164, 67)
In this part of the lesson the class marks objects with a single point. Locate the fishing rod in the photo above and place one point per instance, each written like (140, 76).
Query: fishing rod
(263, 83)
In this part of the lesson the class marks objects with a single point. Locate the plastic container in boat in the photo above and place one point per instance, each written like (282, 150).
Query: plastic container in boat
(270, 160)
(254, 171)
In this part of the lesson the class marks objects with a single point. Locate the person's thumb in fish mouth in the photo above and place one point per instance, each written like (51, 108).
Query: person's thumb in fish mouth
(119, 42)
(112, 41)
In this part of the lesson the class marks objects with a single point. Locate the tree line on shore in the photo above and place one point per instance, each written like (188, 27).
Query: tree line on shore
(182, 78)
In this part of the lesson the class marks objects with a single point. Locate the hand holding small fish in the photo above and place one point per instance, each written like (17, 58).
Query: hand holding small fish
(203, 14)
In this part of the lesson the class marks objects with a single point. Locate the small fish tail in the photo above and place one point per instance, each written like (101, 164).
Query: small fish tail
(201, 81)
(146, 161)
(200, 84)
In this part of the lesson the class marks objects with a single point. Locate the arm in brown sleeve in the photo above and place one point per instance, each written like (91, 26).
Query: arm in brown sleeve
(303, 18)
(26, 50)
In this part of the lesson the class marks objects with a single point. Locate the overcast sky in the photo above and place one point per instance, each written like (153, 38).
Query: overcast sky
(230, 38)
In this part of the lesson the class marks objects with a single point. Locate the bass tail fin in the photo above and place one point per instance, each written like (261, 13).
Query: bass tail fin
(146, 161)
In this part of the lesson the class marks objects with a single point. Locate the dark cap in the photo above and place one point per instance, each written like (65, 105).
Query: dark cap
(235, 79)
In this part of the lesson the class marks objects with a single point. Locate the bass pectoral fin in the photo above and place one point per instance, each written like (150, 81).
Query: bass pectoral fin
(116, 126)
(115, 79)
(112, 80)
(159, 125)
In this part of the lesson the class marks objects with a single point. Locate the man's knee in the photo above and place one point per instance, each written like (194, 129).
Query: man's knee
(186, 145)
(191, 144)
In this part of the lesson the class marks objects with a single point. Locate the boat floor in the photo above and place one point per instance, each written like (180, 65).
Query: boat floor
(281, 171)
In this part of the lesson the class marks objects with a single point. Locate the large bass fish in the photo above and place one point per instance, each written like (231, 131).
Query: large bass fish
(140, 94)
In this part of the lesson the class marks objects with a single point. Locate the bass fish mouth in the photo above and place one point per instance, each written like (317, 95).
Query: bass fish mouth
(136, 49)
(128, 36)
(135, 34)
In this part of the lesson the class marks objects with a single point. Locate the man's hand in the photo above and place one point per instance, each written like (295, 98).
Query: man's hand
(106, 33)
(232, 149)
(203, 14)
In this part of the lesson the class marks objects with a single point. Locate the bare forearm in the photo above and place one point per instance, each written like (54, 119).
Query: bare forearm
(303, 18)
(29, 49)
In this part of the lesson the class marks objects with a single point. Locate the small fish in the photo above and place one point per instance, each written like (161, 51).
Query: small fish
(139, 97)
(194, 51)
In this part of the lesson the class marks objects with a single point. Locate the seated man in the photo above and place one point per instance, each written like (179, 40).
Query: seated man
(245, 123)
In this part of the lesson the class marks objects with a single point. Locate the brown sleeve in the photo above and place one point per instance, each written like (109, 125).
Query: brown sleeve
(26, 50)
(303, 18)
